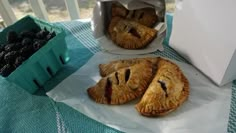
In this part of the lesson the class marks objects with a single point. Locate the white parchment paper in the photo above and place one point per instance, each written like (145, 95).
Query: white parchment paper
(102, 15)
(206, 110)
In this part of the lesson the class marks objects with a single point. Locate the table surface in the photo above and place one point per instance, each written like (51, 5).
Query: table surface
(24, 112)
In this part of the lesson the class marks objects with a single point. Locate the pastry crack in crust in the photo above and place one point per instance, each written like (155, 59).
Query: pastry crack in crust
(163, 86)
(127, 74)
(108, 91)
(134, 32)
(117, 79)
(167, 91)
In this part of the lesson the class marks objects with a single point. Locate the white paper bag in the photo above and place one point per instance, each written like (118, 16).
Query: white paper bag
(102, 15)
(204, 33)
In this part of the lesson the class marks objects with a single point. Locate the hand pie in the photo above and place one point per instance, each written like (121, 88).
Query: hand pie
(129, 34)
(167, 91)
(106, 69)
(144, 16)
(122, 86)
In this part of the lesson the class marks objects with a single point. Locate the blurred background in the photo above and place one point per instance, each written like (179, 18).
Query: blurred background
(57, 11)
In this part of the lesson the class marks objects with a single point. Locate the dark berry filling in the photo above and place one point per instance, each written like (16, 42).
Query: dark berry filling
(163, 86)
(117, 78)
(141, 15)
(134, 32)
(127, 74)
(108, 90)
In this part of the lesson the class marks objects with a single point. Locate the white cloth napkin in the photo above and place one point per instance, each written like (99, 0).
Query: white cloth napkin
(206, 110)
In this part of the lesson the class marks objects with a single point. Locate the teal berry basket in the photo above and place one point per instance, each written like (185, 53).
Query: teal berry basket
(32, 74)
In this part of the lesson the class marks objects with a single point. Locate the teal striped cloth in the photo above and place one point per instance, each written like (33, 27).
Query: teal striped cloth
(232, 115)
(22, 112)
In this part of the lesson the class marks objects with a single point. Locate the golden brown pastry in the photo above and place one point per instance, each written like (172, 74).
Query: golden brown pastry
(122, 86)
(167, 91)
(106, 69)
(129, 34)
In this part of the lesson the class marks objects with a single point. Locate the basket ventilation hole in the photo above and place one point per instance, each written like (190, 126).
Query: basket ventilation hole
(36, 83)
(49, 71)
(62, 60)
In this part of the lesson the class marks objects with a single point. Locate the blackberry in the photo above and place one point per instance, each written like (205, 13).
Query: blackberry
(38, 44)
(19, 60)
(42, 34)
(1, 66)
(10, 57)
(27, 51)
(9, 47)
(26, 41)
(20, 47)
(27, 34)
(6, 70)
(2, 54)
(39, 35)
(2, 47)
(35, 30)
(12, 37)
(12, 47)
(17, 46)
(46, 31)
(50, 35)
